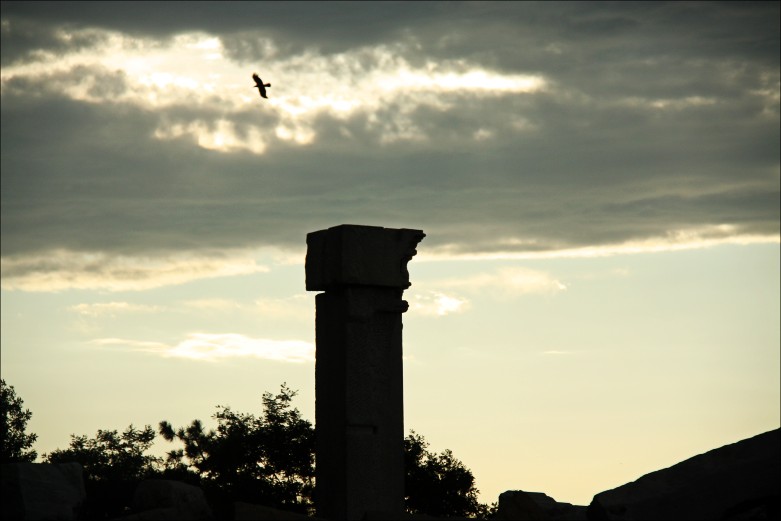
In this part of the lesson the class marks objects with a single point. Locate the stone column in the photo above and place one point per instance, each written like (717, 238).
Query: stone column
(359, 408)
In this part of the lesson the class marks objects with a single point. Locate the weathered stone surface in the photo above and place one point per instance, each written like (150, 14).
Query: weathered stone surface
(359, 413)
(163, 495)
(737, 481)
(108, 498)
(251, 512)
(356, 255)
(159, 514)
(41, 490)
(518, 504)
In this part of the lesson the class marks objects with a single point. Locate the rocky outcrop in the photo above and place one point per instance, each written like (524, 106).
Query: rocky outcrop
(737, 481)
(41, 490)
(517, 504)
(521, 505)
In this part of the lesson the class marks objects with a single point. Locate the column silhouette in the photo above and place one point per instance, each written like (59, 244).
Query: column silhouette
(359, 408)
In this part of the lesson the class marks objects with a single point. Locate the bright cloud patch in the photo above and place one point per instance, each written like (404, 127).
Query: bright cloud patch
(435, 303)
(193, 69)
(210, 347)
(112, 309)
(523, 280)
(472, 80)
(509, 282)
(222, 135)
(61, 270)
(299, 306)
(212, 304)
(673, 240)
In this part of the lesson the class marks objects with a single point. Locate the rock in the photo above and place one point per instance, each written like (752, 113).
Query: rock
(737, 481)
(251, 512)
(107, 499)
(518, 504)
(169, 500)
(157, 514)
(41, 490)
(557, 511)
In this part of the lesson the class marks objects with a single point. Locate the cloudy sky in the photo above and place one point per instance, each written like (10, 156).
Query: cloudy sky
(597, 294)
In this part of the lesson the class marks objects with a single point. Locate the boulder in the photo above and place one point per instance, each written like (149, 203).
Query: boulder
(558, 511)
(521, 505)
(167, 499)
(41, 490)
(252, 512)
(517, 504)
(737, 481)
(157, 514)
(107, 499)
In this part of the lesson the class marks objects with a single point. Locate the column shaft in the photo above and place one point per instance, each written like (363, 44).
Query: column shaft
(359, 403)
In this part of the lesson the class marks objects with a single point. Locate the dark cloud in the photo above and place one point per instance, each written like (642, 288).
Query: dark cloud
(323, 26)
(654, 121)
(446, 29)
(21, 38)
(137, 194)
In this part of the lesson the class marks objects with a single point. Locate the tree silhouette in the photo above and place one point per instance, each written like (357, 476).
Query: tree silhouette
(267, 460)
(270, 460)
(15, 444)
(111, 456)
(113, 464)
(439, 484)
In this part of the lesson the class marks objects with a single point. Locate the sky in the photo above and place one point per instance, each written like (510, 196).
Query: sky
(597, 296)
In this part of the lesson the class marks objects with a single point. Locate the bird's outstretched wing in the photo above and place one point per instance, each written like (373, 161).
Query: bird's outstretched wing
(259, 84)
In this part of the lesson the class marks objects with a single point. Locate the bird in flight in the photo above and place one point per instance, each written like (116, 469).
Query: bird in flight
(260, 85)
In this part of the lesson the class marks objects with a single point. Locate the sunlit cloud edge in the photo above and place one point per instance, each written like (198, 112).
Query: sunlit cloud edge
(212, 347)
(658, 245)
(61, 270)
(58, 270)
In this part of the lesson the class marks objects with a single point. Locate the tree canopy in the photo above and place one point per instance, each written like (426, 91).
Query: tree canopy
(15, 443)
(438, 484)
(267, 459)
(111, 456)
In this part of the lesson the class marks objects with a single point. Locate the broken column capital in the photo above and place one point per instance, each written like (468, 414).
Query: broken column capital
(356, 255)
